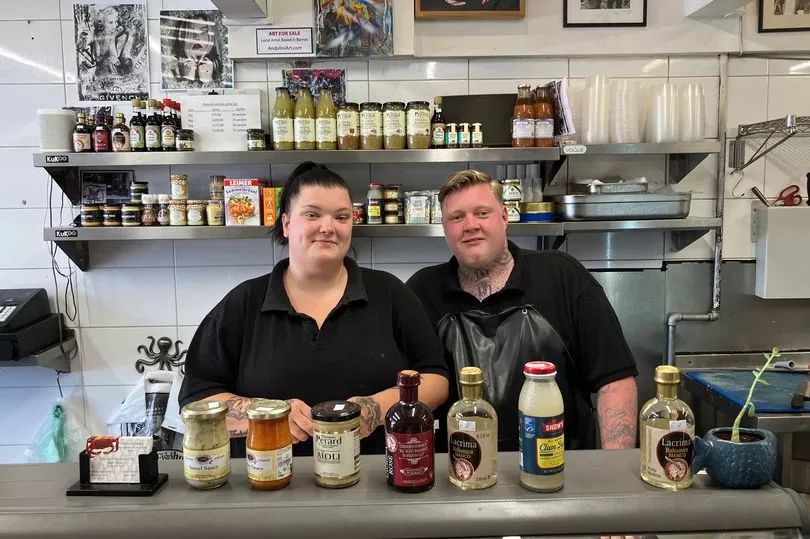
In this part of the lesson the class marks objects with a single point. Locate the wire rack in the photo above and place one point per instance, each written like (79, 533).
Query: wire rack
(773, 134)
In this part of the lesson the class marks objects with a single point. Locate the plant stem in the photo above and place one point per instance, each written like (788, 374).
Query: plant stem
(735, 429)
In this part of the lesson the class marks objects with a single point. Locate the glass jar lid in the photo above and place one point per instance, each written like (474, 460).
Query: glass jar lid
(335, 411)
(370, 105)
(205, 410)
(268, 409)
(539, 369)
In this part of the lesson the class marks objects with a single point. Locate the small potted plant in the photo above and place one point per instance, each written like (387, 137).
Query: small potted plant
(735, 457)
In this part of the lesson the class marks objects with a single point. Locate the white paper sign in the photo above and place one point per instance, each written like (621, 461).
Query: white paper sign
(220, 122)
(285, 42)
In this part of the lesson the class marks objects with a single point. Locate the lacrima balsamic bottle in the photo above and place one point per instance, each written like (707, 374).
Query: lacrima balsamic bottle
(409, 442)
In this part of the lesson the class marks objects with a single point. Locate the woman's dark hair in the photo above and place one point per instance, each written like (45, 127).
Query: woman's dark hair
(306, 174)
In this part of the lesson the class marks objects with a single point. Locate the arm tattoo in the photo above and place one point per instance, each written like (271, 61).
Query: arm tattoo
(237, 411)
(370, 413)
(616, 407)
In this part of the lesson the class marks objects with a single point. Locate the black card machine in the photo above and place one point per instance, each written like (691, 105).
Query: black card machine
(26, 323)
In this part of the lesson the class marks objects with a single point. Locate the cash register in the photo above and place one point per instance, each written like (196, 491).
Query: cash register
(27, 325)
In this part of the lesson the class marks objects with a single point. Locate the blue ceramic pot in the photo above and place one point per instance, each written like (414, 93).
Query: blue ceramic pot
(749, 464)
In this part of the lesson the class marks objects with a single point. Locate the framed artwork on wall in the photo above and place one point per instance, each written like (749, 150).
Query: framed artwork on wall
(470, 9)
(595, 13)
(784, 15)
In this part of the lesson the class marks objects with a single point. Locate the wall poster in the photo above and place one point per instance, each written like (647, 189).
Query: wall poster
(194, 50)
(315, 79)
(355, 28)
(784, 15)
(595, 13)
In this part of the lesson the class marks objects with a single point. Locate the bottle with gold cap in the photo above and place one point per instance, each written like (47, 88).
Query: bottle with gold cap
(472, 435)
(667, 431)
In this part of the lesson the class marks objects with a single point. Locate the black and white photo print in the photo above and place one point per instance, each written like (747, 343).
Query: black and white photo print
(784, 15)
(595, 13)
(194, 50)
(111, 51)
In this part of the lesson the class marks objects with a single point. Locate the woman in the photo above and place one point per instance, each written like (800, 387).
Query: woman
(196, 50)
(317, 328)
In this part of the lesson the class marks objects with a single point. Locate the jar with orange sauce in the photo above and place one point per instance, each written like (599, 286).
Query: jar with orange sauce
(269, 445)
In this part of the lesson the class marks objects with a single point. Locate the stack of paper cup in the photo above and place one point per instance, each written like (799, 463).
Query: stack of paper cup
(625, 113)
(595, 123)
(692, 113)
(663, 120)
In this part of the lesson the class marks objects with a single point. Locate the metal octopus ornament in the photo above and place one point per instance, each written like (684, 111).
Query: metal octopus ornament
(163, 358)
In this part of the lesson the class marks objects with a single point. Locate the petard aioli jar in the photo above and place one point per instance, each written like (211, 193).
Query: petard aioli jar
(336, 443)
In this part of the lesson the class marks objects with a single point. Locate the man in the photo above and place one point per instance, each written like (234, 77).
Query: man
(497, 307)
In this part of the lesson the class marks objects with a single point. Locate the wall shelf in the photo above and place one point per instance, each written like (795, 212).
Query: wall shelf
(51, 358)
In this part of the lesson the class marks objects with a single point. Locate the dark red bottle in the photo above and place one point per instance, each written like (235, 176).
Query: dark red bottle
(409, 442)
(101, 136)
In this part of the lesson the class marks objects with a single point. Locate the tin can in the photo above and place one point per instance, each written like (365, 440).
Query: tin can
(358, 213)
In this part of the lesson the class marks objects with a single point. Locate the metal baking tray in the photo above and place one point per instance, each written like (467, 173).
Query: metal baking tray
(623, 206)
(603, 187)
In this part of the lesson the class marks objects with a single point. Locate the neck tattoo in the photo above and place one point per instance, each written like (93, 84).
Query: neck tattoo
(483, 282)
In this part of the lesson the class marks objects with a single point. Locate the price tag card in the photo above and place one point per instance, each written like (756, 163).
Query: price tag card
(220, 122)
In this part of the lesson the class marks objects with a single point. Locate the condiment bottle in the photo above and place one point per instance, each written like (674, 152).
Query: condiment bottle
(523, 118)
(152, 129)
(543, 118)
(120, 135)
(409, 444)
(136, 127)
(326, 121)
(168, 130)
(304, 123)
(283, 113)
(163, 214)
(472, 435)
(206, 444)
(82, 135)
(542, 426)
(336, 443)
(437, 125)
(269, 445)
(667, 433)
(101, 136)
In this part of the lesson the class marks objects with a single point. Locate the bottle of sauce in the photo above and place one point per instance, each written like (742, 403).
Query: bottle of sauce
(326, 121)
(82, 135)
(283, 114)
(168, 129)
(101, 136)
(136, 127)
(542, 439)
(304, 122)
(523, 118)
(543, 118)
(409, 444)
(152, 129)
(269, 445)
(667, 432)
(472, 441)
(120, 135)
(437, 125)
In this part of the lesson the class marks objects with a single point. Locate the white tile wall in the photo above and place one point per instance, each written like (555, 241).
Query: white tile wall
(116, 297)
(200, 289)
(110, 354)
(37, 53)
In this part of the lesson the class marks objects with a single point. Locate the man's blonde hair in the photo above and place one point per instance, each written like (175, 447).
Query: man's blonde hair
(463, 179)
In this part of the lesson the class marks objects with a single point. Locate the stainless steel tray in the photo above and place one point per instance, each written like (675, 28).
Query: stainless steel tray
(623, 206)
(610, 187)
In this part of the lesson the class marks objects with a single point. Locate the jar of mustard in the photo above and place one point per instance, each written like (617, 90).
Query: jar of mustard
(112, 215)
(206, 444)
(336, 443)
(215, 213)
(269, 445)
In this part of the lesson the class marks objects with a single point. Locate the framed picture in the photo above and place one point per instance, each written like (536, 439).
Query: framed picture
(106, 186)
(354, 28)
(470, 9)
(592, 13)
(784, 15)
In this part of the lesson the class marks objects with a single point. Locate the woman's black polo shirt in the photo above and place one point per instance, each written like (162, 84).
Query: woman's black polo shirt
(254, 344)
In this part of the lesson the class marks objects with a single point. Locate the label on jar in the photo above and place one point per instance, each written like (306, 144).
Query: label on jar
(371, 123)
(522, 129)
(512, 192)
(337, 454)
(82, 142)
(471, 456)
(282, 130)
(326, 129)
(195, 217)
(373, 210)
(463, 137)
(177, 217)
(409, 458)
(394, 123)
(136, 138)
(668, 453)
(209, 465)
(304, 130)
(419, 122)
(179, 190)
(152, 136)
(544, 128)
(348, 123)
(542, 444)
(269, 465)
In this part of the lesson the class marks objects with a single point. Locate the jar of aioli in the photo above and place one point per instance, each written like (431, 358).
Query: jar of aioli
(206, 444)
(215, 213)
(269, 445)
(542, 426)
(336, 443)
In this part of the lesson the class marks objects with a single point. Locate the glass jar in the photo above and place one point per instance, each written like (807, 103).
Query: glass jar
(91, 215)
(512, 191)
(542, 423)
(148, 213)
(418, 113)
(283, 114)
(390, 206)
(391, 218)
(358, 213)
(137, 190)
(523, 118)
(336, 443)
(112, 215)
(195, 212)
(394, 126)
(177, 213)
(179, 186)
(464, 135)
(163, 214)
(477, 138)
(185, 140)
(215, 213)
(451, 136)
(255, 140)
(131, 215)
(348, 126)
(374, 212)
(371, 128)
(375, 191)
(206, 444)
(269, 445)
(392, 191)
(216, 187)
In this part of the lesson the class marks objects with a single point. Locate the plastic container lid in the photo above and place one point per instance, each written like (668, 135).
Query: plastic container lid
(539, 368)
(335, 411)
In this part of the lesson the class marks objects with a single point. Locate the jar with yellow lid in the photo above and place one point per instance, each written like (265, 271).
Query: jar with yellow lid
(206, 444)
(336, 443)
(269, 445)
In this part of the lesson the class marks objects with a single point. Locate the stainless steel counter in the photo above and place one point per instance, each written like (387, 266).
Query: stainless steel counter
(603, 495)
